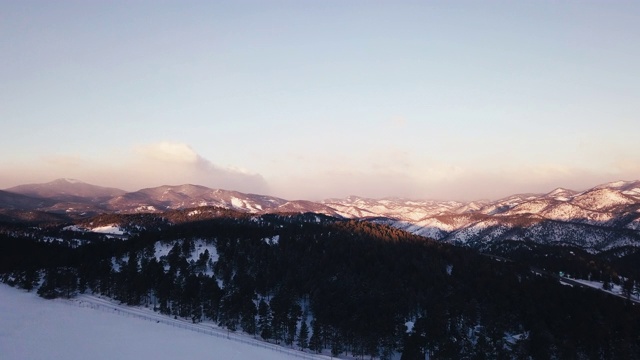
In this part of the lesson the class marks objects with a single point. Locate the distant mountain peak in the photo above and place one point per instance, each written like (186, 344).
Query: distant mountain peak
(616, 184)
(65, 189)
(559, 191)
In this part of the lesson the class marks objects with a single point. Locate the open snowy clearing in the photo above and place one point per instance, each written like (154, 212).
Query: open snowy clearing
(35, 328)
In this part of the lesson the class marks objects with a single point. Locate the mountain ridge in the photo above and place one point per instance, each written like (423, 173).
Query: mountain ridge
(600, 218)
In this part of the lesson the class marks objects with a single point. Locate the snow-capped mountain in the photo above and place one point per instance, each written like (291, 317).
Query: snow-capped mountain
(604, 217)
(404, 209)
(190, 196)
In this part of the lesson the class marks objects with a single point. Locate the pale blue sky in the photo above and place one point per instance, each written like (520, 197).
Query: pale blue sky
(316, 99)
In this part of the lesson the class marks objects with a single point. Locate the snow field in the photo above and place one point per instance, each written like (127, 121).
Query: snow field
(34, 328)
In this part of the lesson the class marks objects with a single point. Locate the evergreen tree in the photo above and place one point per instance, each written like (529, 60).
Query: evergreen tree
(315, 343)
(48, 289)
(337, 347)
(295, 312)
(29, 279)
(264, 320)
(303, 336)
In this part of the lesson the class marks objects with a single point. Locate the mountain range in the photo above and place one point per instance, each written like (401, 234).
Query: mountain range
(601, 218)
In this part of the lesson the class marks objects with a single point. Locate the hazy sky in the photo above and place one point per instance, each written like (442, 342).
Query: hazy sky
(313, 99)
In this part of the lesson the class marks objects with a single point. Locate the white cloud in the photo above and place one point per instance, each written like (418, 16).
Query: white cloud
(148, 165)
(380, 172)
(169, 152)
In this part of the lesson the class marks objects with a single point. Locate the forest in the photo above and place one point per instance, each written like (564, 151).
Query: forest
(352, 287)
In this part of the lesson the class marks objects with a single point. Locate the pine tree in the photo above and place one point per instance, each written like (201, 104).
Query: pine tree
(264, 322)
(29, 279)
(315, 343)
(303, 335)
(48, 289)
(295, 312)
(337, 346)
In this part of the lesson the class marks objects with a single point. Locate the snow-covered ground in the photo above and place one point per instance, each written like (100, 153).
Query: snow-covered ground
(108, 229)
(34, 328)
(615, 289)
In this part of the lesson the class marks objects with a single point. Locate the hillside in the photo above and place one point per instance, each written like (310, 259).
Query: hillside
(34, 328)
(358, 288)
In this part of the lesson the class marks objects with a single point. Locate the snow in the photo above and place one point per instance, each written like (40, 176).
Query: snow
(409, 325)
(272, 240)
(145, 208)
(34, 328)
(615, 289)
(163, 248)
(449, 269)
(601, 199)
(617, 184)
(74, 228)
(632, 192)
(238, 203)
(108, 229)
(530, 207)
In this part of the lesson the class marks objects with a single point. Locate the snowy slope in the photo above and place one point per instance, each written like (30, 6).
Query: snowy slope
(34, 328)
(191, 196)
(601, 218)
(402, 209)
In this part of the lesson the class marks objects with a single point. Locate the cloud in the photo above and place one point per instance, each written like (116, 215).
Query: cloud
(148, 165)
(439, 181)
(378, 172)
(177, 163)
(169, 152)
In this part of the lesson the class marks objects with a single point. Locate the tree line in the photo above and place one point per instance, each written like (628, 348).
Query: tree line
(342, 287)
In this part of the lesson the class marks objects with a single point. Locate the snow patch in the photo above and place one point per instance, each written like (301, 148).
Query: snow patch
(74, 228)
(409, 325)
(274, 240)
(108, 229)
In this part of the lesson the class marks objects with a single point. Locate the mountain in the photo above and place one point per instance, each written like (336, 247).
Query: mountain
(13, 201)
(598, 219)
(190, 196)
(67, 196)
(67, 190)
(408, 210)
(304, 206)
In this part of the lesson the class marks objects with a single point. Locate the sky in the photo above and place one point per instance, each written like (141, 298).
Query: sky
(457, 100)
